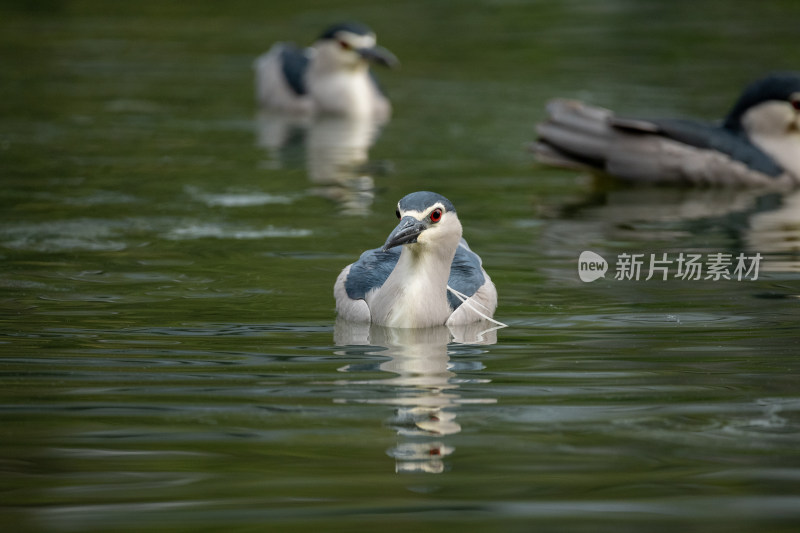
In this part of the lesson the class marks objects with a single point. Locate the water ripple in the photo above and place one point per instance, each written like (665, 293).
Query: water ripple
(225, 231)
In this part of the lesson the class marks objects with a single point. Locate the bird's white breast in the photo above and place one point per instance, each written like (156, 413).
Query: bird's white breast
(414, 295)
(785, 149)
(344, 92)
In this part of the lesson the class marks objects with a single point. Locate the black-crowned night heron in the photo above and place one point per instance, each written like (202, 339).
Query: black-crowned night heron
(434, 279)
(330, 77)
(758, 143)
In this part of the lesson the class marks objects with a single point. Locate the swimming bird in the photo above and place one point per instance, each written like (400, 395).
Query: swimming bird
(424, 275)
(757, 144)
(330, 77)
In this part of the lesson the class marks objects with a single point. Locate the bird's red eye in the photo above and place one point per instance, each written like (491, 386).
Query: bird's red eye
(796, 103)
(345, 45)
(436, 215)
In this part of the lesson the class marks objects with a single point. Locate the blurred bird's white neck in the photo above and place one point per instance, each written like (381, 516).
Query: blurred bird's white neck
(775, 128)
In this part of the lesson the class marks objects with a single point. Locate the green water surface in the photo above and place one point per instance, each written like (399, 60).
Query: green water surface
(169, 354)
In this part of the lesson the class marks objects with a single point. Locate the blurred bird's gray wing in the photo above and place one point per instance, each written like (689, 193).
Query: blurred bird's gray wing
(705, 136)
(370, 271)
(466, 274)
(294, 63)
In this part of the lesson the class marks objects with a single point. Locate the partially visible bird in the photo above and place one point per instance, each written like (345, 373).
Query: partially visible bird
(757, 144)
(433, 279)
(330, 77)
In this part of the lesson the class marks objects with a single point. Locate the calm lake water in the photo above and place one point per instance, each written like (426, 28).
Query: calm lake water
(170, 358)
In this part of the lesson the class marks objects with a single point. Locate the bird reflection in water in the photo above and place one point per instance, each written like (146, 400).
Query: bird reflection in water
(335, 150)
(776, 233)
(759, 221)
(424, 386)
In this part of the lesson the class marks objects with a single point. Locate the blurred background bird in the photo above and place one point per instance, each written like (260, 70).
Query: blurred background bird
(757, 144)
(330, 77)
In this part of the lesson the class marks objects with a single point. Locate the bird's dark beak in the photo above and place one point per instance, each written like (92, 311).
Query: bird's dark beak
(380, 56)
(406, 232)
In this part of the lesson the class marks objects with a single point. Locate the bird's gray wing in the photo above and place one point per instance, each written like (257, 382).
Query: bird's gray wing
(370, 271)
(705, 136)
(466, 274)
(294, 63)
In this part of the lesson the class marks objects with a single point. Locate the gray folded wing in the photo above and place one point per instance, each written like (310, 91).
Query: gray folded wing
(370, 271)
(294, 62)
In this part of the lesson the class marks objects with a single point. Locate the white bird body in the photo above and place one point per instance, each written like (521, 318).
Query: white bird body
(351, 93)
